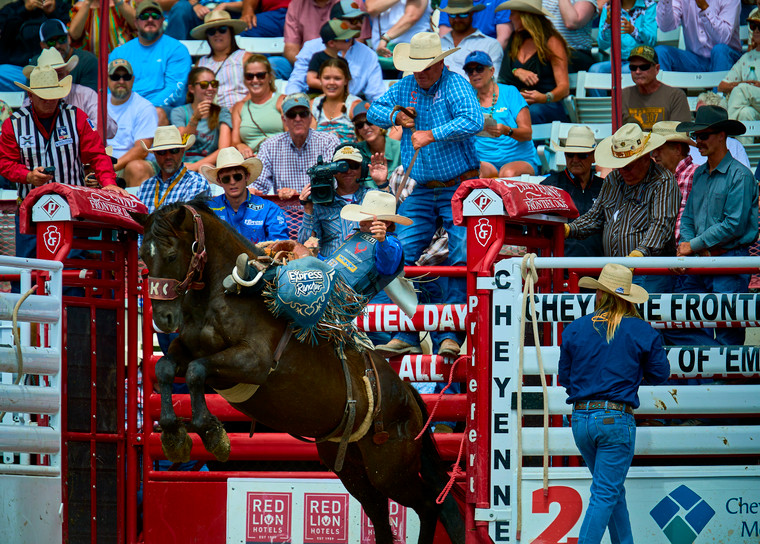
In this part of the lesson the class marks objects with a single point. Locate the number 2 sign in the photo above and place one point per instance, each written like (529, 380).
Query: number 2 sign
(571, 507)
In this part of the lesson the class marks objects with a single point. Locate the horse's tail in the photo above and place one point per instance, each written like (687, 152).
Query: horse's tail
(434, 472)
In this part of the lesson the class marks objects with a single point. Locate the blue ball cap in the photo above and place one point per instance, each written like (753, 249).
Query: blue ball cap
(478, 57)
(297, 100)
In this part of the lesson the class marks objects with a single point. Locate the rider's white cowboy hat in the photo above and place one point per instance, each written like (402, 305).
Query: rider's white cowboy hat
(43, 82)
(214, 19)
(229, 157)
(378, 204)
(422, 51)
(53, 58)
(667, 129)
(625, 146)
(616, 279)
(580, 139)
(168, 137)
(526, 6)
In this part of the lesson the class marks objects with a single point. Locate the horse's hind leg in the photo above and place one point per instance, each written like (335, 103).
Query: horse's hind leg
(208, 427)
(174, 439)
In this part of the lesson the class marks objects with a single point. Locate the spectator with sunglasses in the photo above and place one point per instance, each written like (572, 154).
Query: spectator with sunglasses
(160, 63)
(174, 181)
(467, 37)
(735, 147)
(259, 116)
(55, 35)
(137, 121)
(226, 59)
(210, 123)
(373, 141)
(742, 83)
(649, 100)
(487, 20)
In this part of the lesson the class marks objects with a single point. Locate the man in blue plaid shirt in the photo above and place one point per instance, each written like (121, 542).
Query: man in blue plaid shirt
(442, 116)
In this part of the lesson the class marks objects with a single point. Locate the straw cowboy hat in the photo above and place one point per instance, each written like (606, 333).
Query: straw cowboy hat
(422, 51)
(214, 19)
(168, 137)
(616, 280)
(580, 139)
(43, 82)
(715, 119)
(52, 57)
(229, 157)
(462, 6)
(376, 203)
(667, 129)
(526, 6)
(625, 146)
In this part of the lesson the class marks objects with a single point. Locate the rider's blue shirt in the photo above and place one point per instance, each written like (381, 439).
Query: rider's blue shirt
(257, 219)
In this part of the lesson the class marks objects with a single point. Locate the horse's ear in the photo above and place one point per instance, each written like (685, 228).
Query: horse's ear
(141, 218)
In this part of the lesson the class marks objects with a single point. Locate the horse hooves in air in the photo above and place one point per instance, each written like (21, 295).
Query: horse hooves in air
(177, 445)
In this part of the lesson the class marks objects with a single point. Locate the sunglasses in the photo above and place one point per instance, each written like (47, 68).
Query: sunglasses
(355, 20)
(459, 15)
(258, 75)
(205, 84)
(219, 29)
(754, 26)
(702, 135)
(174, 151)
(119, 77)
(580, 156)
(470, 69)
(640, 67)
(144, 16)
(361, 124)
(303, 114)
(353, 165)
(237, 176)
(52, 42)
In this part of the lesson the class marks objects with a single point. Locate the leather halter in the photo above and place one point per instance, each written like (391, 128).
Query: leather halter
(169, 288)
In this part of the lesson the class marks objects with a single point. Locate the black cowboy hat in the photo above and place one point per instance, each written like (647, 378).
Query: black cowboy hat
(713, 118)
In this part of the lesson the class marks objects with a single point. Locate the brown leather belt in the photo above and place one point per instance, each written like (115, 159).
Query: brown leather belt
(461, 177)
(603, 405)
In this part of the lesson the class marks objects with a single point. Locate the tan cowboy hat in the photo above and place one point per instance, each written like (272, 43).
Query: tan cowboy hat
(580, 139)
(43, 82)
(229, 157)
(422, 51)
(462, 6)
(376, 203)
(625, 146)
(168, 137)
(527, 6)
(52, 57)
(214, 19)
(616, 279)
(667, 129)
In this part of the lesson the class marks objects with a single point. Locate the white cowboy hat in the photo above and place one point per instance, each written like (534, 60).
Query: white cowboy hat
(667, 129)
(526, 6)
(616, 279)
(214, 19)
(229, 157)
(376, 203)
(422, 51)
(625, 146)
(168, 137)
(43, 82)
(52, 57)
(580, 139)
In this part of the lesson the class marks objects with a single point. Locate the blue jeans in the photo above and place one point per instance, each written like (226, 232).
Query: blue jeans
(655, 283)
(546, 113)
(672, 59)
(606, 440)
(604, 67)
(182, 19)
(424, 206)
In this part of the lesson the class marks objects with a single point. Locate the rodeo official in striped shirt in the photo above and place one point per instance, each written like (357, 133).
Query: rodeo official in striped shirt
(49, 141)
(637, 207)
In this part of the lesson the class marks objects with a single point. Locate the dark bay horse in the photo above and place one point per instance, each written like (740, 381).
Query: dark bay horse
(225, 341)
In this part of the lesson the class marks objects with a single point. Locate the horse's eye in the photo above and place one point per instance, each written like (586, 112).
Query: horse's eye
(171, 257)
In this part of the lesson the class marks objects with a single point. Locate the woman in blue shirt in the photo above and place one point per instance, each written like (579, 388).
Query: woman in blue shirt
(504, 146)
(603, 358)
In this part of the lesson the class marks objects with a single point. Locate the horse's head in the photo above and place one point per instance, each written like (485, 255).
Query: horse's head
(174, 251)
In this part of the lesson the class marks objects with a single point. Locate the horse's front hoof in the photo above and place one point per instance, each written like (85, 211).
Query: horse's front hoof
(218, 444)
(177, 446)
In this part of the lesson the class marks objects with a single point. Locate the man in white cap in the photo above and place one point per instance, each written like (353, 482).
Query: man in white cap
(174, 182)
(637, 206)
(582, 184)
(49, 141)
(440, 116)
(255, 218)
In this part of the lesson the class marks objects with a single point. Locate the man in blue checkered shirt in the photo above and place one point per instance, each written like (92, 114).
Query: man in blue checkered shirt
(442, 116)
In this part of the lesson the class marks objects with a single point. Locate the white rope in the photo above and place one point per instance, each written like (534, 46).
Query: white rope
(17, 340)
(246, 283)
(530, 277)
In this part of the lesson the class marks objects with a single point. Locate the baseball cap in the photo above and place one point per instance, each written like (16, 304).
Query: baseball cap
(478, 57)
(335, 29)
(52, 28)
(297, 100)
(146, 5)
(644, 52)
(115, 64)
(348, 153)
(346, 9)
(360, 109)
